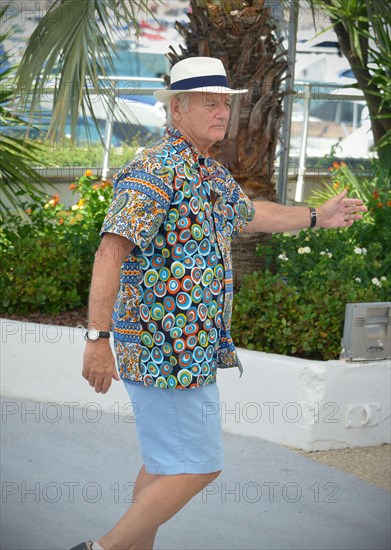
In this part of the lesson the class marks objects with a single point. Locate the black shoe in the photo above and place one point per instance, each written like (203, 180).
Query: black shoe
(83, 546)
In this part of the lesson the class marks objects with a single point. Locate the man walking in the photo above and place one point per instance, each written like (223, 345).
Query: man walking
(162, 281)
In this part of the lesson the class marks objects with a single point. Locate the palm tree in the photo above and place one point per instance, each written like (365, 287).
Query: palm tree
(17, 176)
(75, 42)
(363, 28)
(71, 46)
(241, 34)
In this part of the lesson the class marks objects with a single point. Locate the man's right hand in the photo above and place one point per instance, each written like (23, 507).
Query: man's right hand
(99, 365)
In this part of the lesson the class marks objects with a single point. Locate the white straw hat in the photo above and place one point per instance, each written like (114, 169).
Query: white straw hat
(197, 74)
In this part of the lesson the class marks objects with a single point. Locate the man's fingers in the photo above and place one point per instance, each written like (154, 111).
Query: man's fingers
(101, 385)
(353, 203)
(105, 386)
(98, 385)
(342, 195)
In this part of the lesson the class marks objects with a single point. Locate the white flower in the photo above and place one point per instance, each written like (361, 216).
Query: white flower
(75, 207)
(304, 250)
(359, 250)
(328, 254)
(101, 198)
(383, 278)
(375, 281)
(358, 280)
(283, 257)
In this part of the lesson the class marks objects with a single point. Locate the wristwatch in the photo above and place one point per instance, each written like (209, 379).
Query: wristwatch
(93, 334)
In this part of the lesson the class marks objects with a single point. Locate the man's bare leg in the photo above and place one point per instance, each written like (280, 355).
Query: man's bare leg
(157, 502)
(143, 479)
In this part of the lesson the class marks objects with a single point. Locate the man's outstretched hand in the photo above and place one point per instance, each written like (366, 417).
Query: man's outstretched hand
(340, 211)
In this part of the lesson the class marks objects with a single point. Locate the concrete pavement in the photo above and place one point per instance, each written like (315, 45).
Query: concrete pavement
(67, 475)
(69, 457)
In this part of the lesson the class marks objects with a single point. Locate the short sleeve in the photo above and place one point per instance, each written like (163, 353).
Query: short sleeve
(244, 212)
(239, 210)
(139, 207)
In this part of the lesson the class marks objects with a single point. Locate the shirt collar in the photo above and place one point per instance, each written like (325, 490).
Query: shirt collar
(186, 149)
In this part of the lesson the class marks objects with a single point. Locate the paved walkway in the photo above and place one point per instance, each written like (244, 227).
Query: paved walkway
(67, 474)
(69, 457)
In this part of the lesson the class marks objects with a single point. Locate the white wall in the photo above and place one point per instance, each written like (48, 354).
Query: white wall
(312, 405)
(303, 404)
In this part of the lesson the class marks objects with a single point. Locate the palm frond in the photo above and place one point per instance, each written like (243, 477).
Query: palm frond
(17, 175)
(71, 48)
(17, 158)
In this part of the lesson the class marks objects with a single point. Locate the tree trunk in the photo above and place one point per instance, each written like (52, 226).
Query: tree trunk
(241, 35)
(244, 257)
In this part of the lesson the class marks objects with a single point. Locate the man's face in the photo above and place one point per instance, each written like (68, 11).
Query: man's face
(205, 120)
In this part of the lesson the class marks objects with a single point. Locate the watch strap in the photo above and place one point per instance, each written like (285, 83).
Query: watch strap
(314, 217)
(101, 334)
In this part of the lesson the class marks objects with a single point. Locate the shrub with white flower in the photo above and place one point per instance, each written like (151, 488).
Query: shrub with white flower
(283, 257)
(359, 250)
(375, 281)
(326, 270)
(333, 257)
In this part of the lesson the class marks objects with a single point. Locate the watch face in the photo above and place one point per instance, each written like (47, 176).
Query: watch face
(93, 334)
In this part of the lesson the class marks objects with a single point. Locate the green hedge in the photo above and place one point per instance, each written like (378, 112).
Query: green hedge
(47, 257)
(297, 305)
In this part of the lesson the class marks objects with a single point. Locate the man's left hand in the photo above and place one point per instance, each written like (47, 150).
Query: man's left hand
(340, 211)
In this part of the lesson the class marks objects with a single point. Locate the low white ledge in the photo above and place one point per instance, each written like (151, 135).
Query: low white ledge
(311, 405)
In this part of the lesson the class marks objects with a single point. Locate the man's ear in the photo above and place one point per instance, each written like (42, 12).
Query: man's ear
(176, 109)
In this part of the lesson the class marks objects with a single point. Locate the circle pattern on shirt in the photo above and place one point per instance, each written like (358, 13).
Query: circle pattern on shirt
(182, 298)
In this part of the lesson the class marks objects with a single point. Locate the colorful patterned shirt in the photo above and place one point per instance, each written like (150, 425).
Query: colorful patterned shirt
(172, 316)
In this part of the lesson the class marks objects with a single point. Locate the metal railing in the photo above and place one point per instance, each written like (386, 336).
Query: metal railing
(306, 91)
(113, 93)
(303, 91)
(327, 92)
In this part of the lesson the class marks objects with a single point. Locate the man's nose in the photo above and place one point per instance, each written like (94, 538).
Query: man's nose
(223, 110)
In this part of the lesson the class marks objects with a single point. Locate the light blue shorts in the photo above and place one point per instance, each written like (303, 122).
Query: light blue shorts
(179, 430)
